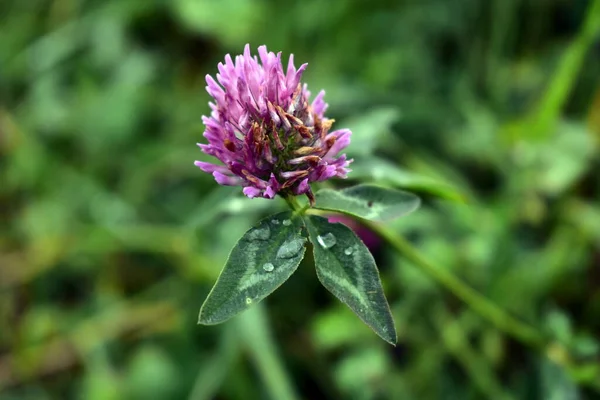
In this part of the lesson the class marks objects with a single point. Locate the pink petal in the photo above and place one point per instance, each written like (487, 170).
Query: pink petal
(227, 180)
(251, 192)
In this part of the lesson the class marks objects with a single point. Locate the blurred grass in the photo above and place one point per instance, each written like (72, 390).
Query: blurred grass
(110, 238)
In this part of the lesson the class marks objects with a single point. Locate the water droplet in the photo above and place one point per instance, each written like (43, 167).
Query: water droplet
(268, 267)
(290, 248)
(262, 233)
(287, 222)
(248, 300)
(348, 251)
(326, 241)
(275, 221)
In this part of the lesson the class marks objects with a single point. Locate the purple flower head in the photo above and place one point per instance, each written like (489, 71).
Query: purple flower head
(262, 128)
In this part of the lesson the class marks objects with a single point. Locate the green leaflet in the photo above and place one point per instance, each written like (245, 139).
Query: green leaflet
(265, 257)
(347, 269)
(376, 170)
(368, 201)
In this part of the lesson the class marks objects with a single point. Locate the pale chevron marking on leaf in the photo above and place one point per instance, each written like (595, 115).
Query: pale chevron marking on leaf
(353, 278)
(343, 283)
(244, 280)
(368, 201)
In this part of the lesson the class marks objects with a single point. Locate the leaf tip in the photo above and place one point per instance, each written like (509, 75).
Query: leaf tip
(388, 333)
(204, 319)
(201, 319)
(392, 339)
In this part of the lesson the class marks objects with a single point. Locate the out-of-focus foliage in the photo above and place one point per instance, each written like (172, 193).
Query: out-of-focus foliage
(110, 238)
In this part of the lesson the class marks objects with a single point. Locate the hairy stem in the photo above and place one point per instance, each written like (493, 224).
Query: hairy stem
(292, 201)
(472, 297)
(586, 374)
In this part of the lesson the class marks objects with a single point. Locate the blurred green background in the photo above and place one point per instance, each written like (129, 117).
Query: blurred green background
(110, 238)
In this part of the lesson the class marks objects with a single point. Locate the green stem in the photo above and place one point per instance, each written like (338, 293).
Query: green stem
(292, 201)
(486, 308)
(588, 375)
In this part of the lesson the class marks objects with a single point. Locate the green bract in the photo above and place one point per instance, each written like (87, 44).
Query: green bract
(269, 253)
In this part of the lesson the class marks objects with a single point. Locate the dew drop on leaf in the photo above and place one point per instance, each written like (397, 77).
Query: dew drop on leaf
(262, 233)
(290, 248)
(268, 267)
(287, 222)
(248, 300)
(348, 251)
(275, 221)
(327, 241)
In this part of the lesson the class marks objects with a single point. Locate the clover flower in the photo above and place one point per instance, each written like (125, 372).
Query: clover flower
(264, 131)
(271, 140)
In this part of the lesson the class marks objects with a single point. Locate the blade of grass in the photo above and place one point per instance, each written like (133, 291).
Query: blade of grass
(256, 336)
